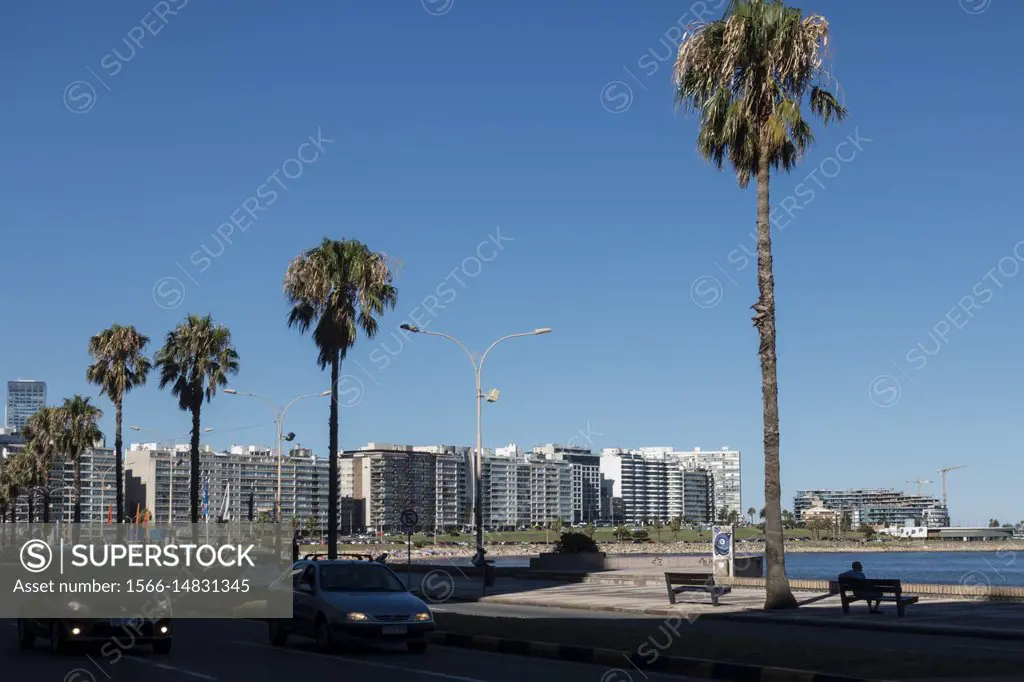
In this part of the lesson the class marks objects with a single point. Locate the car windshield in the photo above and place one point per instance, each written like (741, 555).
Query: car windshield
(367, 577)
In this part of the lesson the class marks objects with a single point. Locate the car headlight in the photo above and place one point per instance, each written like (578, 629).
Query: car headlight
(422, 616)
(355, 615)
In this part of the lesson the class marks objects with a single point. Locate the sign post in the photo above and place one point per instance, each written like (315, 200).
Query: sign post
(409, 520)
(722, 551)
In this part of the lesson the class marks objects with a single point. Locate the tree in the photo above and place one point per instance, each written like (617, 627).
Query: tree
(845, 522)
(867, 531)
(80, 430)
(196, 358)
(119, 365)
(750, 513)
(556, 525)
(993, 523)
(675, 525)
(723, 515)
(41, 432)
(733, 517)
(787, 518)
(311, 524)
(748, 75)
(588, 530)
(816, 525)
(336, 289)
(623, 533)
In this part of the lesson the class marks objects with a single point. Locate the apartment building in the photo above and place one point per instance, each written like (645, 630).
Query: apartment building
(239, 484)
(99, 490)
(655, 483)
(386, 479)
(873, 506)
(527, 489)
(724, 465)
(585, 468)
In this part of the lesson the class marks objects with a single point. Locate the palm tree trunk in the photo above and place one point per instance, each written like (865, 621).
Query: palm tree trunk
(777, 592)
(118, 467)
(193, 484)
(332, 483)
(28, 505)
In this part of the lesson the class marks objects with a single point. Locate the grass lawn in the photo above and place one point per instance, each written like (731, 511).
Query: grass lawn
(845, 657)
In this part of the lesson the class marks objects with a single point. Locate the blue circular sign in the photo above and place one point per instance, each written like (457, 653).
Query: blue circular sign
(723, 544)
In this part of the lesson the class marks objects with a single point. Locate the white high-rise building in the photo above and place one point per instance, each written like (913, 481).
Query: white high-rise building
(655, 483)
(724, 465)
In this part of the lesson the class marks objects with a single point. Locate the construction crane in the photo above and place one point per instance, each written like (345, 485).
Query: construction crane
(920, 486)
(943, 471)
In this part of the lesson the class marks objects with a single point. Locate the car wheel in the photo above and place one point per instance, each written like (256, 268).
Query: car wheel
(26, 639)
(162, 646)
(416, 647)
(324, 636)
(58, 643)
(278, 635)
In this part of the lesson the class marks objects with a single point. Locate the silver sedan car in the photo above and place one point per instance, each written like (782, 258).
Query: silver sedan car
(339, 602)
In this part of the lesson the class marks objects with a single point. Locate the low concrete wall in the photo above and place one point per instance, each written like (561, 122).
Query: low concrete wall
(584, 561)
(993, 592)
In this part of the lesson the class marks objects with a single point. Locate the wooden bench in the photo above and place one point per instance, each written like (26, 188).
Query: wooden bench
(694, 582)
(854, 589)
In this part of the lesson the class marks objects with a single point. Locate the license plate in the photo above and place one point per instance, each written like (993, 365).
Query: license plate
(394, 629)
(126, 622)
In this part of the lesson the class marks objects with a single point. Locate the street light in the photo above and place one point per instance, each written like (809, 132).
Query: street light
(279, 414)
(172, 461)
(491, 397)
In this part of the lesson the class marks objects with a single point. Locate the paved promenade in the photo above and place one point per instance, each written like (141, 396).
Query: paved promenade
(616, 591)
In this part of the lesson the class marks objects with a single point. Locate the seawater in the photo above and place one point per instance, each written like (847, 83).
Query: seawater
(1004, 567)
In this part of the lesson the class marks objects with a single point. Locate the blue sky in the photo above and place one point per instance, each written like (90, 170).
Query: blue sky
(553, 126)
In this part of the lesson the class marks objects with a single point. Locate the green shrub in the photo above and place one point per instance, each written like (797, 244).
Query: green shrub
(575, 543)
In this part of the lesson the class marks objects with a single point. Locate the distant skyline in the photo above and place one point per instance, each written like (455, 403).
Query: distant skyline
(163, 165)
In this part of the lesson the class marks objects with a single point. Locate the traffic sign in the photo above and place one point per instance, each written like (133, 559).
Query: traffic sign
(410, 518)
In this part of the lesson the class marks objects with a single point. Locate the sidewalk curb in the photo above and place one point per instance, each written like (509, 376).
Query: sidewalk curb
(691, 667)
(755, 617)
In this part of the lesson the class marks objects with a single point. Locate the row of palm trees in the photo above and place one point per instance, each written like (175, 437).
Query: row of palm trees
(68, 429)
(335, 290)
(748, 76)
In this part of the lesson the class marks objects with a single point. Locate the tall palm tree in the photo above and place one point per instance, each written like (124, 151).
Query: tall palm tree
(79, 420)
(119, 366)
(197, 357)
(748, 75)
(750, 512)
(41, 431)
(336, 289)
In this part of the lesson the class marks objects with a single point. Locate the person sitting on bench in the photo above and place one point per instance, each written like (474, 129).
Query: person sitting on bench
(857, 571)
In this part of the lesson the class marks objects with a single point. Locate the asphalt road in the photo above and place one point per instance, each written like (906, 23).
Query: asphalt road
(865, 639)
(215, 651)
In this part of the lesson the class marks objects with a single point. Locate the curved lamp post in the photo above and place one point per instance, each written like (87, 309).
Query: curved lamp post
(492, 397)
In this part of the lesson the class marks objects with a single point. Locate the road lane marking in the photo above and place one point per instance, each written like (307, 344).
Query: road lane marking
(359, 661)
(164, 666)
